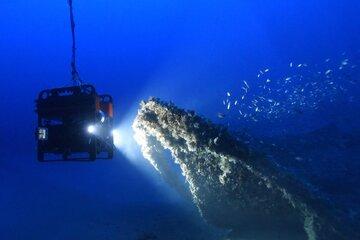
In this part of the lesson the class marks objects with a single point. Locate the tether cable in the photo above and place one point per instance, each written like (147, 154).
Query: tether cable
(74, 72)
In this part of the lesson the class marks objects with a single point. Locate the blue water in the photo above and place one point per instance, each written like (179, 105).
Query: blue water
(275, 70)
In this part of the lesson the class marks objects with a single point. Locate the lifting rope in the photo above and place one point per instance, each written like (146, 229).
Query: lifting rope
(74, 72)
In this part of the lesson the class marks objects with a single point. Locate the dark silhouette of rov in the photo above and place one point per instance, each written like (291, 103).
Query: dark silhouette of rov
(74, 120)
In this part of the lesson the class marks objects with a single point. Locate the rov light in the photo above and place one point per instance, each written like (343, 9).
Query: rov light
(91, 129)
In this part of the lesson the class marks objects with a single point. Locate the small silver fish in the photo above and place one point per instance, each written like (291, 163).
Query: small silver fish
(328, 72)
(345, 62)
(221, 115)
(246, 84)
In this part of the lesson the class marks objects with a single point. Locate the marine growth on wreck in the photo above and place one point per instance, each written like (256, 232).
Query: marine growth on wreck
(233, 187)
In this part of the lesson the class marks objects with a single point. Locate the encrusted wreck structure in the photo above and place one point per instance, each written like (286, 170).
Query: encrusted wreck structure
(233, 187)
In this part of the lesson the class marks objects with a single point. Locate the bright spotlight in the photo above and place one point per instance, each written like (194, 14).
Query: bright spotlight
(91, 129)
(116, 137)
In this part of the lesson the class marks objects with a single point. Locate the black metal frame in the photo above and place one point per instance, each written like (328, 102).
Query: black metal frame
(65, 113)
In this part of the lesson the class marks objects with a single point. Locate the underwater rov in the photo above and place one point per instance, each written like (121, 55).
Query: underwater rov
(73, 120)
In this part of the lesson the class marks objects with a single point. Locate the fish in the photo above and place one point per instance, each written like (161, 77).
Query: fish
(327, 60)
(228, 94)
(236, 102)
(268, 80)
(287, 79)
(291, 64)
(328, 72)
(221, 115)
(246, 84)
(300, 65)
(228, 106)
(267, 70)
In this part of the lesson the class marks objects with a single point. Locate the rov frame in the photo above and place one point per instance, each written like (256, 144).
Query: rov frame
(64, 118)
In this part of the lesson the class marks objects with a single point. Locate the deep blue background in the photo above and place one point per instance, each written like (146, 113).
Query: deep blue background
(189, 52)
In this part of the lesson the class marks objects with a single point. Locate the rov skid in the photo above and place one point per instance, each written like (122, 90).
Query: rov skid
(73, 122)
